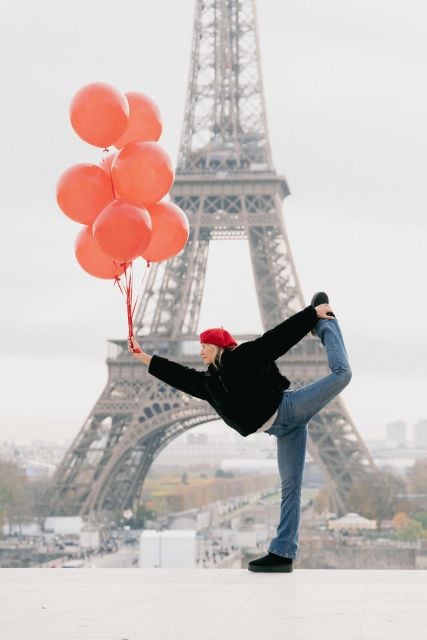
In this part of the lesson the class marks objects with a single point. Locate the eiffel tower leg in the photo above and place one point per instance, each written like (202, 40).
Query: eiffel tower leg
(340, 453)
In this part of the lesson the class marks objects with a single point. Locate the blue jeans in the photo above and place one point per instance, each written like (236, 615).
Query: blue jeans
(297, 407)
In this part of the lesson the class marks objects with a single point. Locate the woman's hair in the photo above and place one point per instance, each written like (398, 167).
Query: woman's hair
(218, 351)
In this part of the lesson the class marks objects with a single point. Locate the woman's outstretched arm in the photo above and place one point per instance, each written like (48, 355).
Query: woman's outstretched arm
(176, 375)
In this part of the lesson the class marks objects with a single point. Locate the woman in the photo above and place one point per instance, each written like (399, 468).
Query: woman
(245, 387)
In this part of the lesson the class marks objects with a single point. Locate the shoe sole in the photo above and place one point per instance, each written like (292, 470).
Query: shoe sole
(284, 568)
(327, 302)
(313, 300)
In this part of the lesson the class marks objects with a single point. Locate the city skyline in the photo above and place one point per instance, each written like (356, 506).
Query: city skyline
(219, 432)
(345, 122)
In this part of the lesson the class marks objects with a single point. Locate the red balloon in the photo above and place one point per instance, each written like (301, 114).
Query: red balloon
(105, 164)
(92, 259)
(99, 114)
(83, 191)
(142, 173)
(145, 120)
(122, 230)
(170, 232)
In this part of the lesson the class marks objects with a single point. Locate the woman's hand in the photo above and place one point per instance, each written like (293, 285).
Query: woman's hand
(322, 310)
(133, 346)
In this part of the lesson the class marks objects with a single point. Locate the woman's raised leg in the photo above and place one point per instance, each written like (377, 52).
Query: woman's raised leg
(302, 404)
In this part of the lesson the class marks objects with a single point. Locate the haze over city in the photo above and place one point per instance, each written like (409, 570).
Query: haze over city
(343, 96)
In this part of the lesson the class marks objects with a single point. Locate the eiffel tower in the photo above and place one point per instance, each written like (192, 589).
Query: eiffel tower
(227, 184)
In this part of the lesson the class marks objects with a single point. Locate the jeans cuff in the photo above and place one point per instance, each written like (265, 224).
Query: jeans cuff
(282, 555)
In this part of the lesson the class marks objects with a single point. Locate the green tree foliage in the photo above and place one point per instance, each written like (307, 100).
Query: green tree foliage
(411, 532)
(408, 529)
(142, 514)
(421, 516)
(220, 473)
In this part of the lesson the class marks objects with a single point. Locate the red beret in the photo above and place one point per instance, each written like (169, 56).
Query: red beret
(219, 337)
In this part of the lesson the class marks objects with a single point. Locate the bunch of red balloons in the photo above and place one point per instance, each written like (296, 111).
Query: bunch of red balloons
(120, 200)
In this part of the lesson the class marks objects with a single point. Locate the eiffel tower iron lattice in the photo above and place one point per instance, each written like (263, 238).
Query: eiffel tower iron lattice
(227, 184)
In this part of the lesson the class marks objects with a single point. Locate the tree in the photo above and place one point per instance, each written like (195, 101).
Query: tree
(411, 531)
(421, 516)
(401, 520)
(21, 499)
(418, 477)
(321, 501)
(38, 492)
(15, 503)
(375, 496)
(143, 512)
(220, 473)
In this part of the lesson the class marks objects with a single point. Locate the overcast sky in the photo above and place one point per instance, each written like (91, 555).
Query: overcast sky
(346, 112)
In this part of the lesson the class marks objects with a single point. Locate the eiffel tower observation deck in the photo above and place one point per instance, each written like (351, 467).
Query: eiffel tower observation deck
(227, 185)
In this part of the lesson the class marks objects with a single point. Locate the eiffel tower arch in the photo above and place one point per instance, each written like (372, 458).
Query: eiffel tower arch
(227, 184)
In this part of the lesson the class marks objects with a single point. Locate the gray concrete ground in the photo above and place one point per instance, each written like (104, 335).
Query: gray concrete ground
(177, 604)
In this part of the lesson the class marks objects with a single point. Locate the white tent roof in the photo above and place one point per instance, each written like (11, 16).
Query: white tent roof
(352, 520)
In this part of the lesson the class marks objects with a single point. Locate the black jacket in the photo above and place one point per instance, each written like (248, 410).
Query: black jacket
(247, 388)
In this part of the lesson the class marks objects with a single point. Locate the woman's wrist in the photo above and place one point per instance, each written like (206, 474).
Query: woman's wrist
(144, 357)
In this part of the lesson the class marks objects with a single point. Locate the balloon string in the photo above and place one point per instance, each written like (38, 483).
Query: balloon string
(117, 281)
(147, 266)
(104, 153)
(126, 289)
(129, 293)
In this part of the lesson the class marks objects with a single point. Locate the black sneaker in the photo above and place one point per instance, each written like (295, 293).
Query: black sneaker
(320, 298)
(271, 563)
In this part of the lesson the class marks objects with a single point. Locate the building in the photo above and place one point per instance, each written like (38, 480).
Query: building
(420, 433)
(168, 549)
(396, 433)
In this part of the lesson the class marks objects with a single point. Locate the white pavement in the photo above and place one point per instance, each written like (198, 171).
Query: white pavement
(199, 604)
